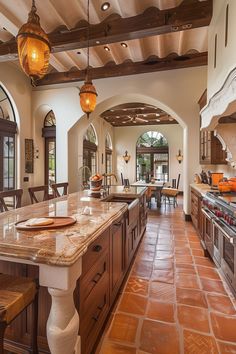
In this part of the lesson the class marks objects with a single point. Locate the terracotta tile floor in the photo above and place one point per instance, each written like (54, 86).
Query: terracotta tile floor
(174, 301)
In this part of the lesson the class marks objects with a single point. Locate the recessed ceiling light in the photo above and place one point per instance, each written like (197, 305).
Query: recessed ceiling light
(124, 45)
(78, 52)
(105, 6)
(97, 42)
(117, 116)
(107, 48)
(144, 115)
(142, 108)
(157, 115)
(170, 119)
(112, 110)
(158, 120)
(124, 109)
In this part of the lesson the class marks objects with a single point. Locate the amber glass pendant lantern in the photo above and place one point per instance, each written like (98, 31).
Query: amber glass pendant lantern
(88, 93)
(33, 47)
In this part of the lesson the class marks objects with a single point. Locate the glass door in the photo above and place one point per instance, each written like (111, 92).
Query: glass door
(50, 162)
(7, 161)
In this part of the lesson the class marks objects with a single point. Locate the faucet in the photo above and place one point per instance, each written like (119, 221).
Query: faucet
(107, 186)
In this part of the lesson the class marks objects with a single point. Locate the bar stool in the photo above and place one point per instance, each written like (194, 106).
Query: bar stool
(57, 186)
(38, 189)
(16, 293)
(16, 194)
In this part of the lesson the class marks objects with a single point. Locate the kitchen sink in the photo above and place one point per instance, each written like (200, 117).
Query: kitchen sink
(112, 198)
(133, 205)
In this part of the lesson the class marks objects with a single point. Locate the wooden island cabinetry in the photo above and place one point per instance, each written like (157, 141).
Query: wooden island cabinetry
(104, 264)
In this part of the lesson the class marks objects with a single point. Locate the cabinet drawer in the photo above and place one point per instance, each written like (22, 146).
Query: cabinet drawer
(95, 251)
(94, 277)
(92, 319)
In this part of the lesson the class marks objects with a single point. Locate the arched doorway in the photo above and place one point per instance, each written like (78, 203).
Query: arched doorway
(8, 129)
(152, 157)
(49, 133)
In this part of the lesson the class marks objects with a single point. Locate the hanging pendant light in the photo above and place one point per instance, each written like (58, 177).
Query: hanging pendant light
(33, 47)
(88, 94)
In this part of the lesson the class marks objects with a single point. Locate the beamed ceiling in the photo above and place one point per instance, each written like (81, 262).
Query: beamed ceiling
(160, 35)
(131, 114)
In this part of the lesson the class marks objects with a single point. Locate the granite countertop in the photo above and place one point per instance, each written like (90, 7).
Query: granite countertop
(201, 188)
(61, 247)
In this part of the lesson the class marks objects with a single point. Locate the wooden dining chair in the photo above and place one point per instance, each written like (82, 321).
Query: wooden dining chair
(10, 199)
(39, 190)
(16, 294)
(56, 189)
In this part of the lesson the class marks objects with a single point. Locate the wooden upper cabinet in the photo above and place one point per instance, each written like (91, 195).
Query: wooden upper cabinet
(211, 152)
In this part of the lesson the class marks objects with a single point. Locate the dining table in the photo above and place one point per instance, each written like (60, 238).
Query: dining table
(158, 185)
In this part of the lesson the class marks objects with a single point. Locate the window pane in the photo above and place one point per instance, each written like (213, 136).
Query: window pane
(51, 163)
(11, 167)
(5, 146)
(108, 163)
(143, 166)
(5, 168)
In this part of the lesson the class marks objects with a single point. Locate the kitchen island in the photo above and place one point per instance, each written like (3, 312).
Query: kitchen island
(94, 250)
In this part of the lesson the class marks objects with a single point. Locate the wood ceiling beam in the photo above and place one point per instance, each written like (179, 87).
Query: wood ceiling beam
(130, 124)
(132, 112)
(189, 14)
(128, 68)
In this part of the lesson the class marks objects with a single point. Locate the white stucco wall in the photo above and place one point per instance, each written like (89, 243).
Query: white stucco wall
(176, 92)
(126, 138)
(225, 55)
(19, 91)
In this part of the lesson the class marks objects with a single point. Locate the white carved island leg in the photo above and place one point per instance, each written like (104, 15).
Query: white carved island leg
(63, 323)
(63, 320)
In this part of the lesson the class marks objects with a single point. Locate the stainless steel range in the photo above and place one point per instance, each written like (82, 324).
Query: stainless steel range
(219, 214)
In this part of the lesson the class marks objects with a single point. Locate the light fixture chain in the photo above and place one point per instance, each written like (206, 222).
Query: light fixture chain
(88, 32)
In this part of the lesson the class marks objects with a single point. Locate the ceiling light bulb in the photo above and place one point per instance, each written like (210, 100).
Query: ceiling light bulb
(105, 6)
(124, 45)
(158, 120)
(157, 115)
(107, 49)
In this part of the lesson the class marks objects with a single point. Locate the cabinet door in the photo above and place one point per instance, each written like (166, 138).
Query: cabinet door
(117, 256)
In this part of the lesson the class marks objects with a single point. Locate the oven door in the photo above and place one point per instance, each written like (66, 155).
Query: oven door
(228, 254)
(208, 218)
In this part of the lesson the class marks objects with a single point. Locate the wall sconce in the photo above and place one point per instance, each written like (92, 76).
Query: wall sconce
(179, 157)
(126, 157)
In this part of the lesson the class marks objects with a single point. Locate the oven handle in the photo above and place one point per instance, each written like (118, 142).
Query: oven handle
(217, 223)
(208, 214)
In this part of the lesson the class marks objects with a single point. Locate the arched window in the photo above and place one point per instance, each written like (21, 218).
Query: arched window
(152, 155)
(89, 153)
(49, 133)
(8, 130)
(108, 154)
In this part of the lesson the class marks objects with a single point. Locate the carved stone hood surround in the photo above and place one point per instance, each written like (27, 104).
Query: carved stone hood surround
(222, 104)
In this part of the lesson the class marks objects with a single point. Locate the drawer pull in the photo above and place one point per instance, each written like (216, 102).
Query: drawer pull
(97, 248)
(97, 277)
(118, 223)
(100, 308)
